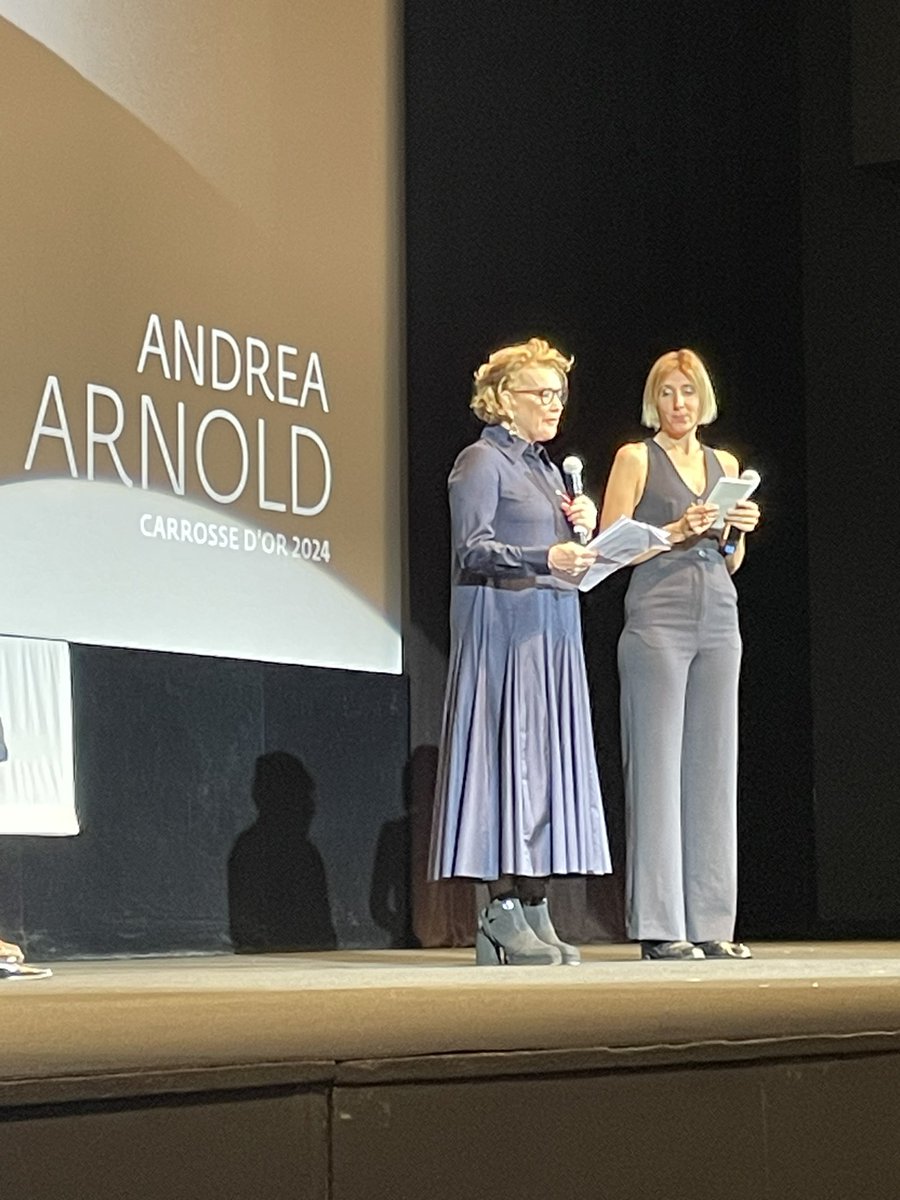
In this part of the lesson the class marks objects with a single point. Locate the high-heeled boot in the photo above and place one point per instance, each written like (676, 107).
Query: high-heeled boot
(538, 917)
(504, 937)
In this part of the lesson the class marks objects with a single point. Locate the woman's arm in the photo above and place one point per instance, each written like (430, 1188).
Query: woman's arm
(626, 483)
(474, 490)
(624, 488)
(743, 518)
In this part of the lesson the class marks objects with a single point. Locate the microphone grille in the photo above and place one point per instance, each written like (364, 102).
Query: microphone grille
(572, 465)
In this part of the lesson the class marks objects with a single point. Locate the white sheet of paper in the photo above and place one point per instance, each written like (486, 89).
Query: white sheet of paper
(728, 490)
(620, 544)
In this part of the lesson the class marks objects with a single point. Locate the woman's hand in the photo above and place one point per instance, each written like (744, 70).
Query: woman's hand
(581, 511)
(10, 952)
(743, 516)
(697, 519)
(568, 559)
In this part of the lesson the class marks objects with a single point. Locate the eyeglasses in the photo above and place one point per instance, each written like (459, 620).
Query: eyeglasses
(545, 396)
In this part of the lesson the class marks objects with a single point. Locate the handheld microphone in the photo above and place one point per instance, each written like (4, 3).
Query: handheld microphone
(730, 538)
(573, 469)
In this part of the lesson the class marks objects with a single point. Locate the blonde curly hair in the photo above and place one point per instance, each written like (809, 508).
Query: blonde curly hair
(491, 401)
(689, 364)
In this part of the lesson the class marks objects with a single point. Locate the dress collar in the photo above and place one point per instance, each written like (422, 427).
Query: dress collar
(514, 448)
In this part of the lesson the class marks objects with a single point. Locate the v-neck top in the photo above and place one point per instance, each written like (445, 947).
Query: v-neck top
(666, 495)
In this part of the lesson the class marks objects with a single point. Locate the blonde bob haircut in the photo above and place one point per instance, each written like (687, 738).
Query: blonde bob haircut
(491, 400)
(691, 365)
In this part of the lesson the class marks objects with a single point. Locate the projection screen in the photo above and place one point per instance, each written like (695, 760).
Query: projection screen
(199, 283)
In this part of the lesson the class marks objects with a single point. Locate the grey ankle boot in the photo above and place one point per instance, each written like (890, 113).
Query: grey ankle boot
(538, 917)
(505, 937)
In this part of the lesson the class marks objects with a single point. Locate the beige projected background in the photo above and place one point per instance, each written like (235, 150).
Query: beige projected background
(232, 167)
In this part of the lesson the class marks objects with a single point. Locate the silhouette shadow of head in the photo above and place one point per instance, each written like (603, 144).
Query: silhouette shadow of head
(277, 886)
(284, 792)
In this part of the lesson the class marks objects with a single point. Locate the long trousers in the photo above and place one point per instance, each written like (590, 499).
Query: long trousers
(679, 743)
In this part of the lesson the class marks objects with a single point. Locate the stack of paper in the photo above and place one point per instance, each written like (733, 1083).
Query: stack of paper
(618, 546)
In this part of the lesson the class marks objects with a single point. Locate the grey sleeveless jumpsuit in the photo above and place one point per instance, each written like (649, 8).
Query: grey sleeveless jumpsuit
(679, 660)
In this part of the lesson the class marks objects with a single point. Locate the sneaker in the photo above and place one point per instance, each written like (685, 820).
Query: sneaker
(671, 950)
(725, 950)
(14, 970)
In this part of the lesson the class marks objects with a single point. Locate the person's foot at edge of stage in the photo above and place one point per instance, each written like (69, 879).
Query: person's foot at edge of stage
(10, 952)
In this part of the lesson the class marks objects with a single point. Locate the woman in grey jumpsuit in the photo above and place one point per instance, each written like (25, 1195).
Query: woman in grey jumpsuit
(679, 660)
(518, 796)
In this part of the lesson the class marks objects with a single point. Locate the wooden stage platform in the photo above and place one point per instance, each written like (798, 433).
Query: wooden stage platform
(414, 1074)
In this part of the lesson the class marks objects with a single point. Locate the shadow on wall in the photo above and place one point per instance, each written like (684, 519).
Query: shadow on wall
(277, 887)
(389, 894)
(443, 913)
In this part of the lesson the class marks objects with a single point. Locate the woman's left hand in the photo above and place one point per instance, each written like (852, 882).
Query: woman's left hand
(743, 516)
(581, 511)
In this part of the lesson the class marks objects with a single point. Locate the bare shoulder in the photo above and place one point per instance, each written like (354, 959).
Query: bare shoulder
(632, 456)
(728, 462)
(626, 482)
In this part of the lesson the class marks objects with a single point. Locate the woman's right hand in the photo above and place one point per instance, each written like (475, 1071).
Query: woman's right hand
(568, 559)
(696, 520)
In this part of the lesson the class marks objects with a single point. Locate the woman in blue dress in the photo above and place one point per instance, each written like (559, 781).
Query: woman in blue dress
(518, 795)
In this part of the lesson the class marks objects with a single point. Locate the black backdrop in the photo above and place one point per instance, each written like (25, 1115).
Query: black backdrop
(851, 273)
(623, 178)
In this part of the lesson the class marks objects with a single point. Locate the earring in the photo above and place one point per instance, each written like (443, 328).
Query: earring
(509, 423)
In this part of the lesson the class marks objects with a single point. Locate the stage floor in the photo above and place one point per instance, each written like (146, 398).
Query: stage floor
(603, 964)
(98, 1029)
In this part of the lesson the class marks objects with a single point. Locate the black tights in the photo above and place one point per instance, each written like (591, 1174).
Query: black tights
(530, 889)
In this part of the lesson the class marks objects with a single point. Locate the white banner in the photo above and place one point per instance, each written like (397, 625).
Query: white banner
(37, 763)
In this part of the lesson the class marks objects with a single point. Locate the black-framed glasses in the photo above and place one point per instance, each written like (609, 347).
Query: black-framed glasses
(544, 396)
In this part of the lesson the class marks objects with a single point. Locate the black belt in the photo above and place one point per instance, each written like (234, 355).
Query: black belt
(511, 583)
(516, 583)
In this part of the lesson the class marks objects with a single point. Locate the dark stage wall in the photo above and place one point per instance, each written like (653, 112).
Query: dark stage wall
(168, 777)
(851, 271)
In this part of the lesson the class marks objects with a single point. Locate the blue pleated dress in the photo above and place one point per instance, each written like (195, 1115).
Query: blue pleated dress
(517, 789)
